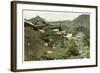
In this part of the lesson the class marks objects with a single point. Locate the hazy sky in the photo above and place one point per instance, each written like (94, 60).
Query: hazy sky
(51, 16)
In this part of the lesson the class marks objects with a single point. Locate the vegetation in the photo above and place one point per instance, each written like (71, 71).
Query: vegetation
(58, 40)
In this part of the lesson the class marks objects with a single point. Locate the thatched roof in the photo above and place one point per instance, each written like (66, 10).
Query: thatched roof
(36, 19)
(28, 23)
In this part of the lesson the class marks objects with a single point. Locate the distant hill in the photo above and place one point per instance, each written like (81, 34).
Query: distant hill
(81, 23)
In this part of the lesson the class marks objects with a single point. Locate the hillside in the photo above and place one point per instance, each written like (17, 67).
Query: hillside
(57, 40)
(80, 23)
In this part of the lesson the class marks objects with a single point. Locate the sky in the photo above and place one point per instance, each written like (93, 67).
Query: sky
(50, 16)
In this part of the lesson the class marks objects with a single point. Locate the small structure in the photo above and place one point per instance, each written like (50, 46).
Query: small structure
(30, 24)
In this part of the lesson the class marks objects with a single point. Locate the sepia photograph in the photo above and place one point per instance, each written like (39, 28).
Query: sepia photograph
(55, 35)
(46, 36)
